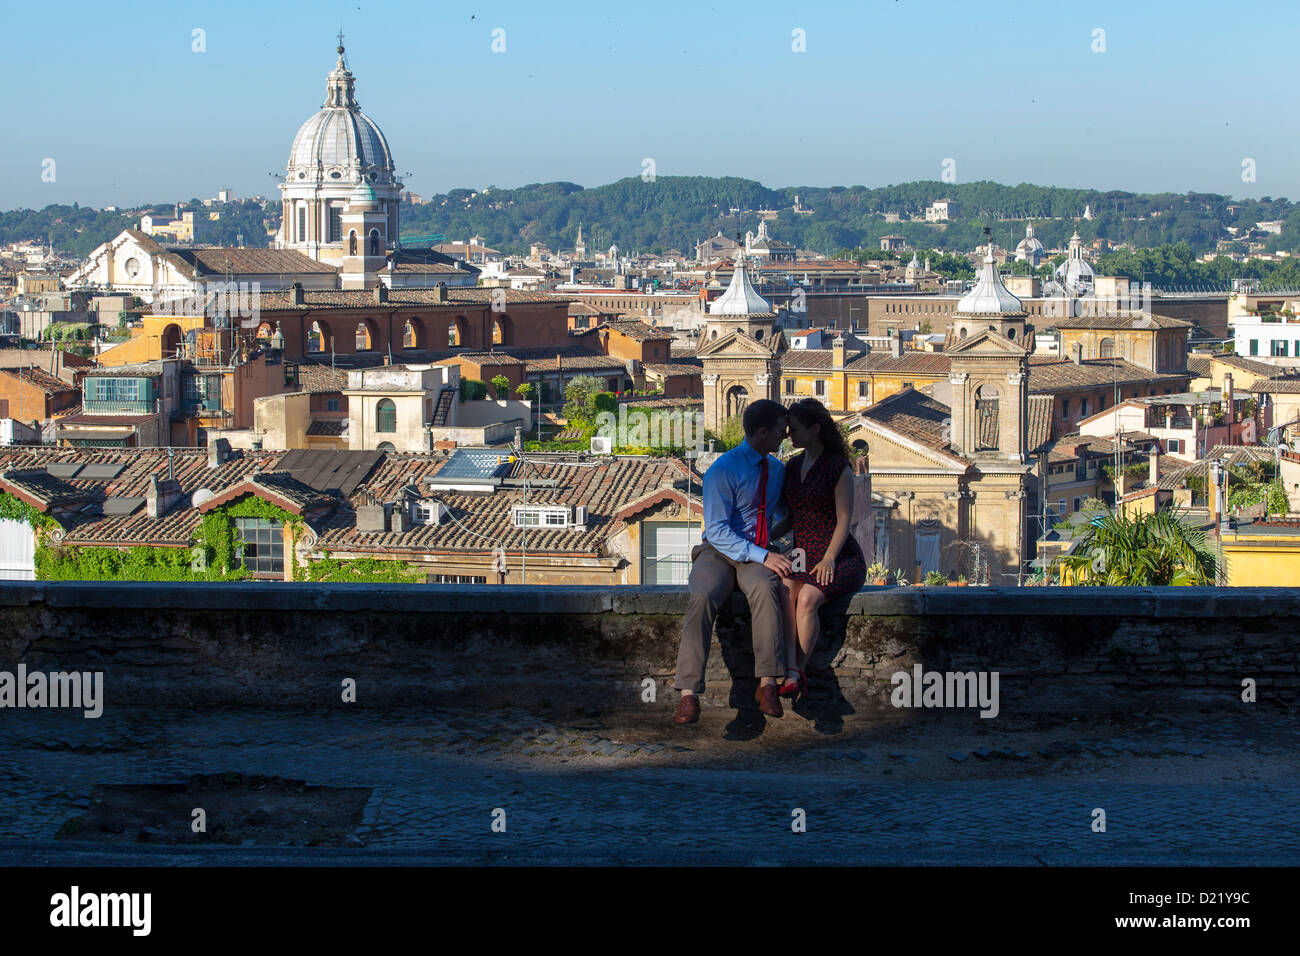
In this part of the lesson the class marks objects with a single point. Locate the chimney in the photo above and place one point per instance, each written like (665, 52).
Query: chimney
(1076, 353)
(1153, 473)
(837, 353)
(381, 294)
(297, 294)
(1229, 411)
(896, 344)
(440, 292)
(218, 453)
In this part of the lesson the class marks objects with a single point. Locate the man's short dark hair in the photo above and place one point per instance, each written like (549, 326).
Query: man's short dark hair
(763, 413)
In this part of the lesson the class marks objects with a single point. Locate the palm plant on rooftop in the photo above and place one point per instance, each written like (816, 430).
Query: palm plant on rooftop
(1143, 550)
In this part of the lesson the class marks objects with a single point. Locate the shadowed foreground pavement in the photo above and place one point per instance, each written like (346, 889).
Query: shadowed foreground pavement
(1194, 790)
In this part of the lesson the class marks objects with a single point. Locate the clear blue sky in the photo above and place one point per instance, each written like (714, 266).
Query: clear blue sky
(584, 91)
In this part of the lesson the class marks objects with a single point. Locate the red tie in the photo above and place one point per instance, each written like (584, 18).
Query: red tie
(760, 501)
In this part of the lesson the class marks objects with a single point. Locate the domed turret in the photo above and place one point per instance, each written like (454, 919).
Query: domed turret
(1075, 273)
(335, 151)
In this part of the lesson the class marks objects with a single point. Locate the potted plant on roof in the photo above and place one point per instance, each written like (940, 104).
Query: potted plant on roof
(878, 573)
(936, 579)
(900, 578)
(961, 581)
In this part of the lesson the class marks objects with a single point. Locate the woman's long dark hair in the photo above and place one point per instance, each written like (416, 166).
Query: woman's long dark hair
(811, 412)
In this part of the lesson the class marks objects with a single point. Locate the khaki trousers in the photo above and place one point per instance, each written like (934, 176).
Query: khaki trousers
(714, 577)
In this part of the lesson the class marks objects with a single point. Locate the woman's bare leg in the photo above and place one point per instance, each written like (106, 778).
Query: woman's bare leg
(808, 622)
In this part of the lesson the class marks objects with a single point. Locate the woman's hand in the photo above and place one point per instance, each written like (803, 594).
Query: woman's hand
(824, 571)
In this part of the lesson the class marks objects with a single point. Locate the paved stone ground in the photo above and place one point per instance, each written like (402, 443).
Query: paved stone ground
(896, 788)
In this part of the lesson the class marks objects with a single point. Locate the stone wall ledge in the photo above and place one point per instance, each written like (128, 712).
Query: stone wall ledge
(1142, 603)
(278, 644)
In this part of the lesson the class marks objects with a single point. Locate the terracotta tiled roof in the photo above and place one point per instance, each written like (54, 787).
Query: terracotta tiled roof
(594, 363)
(426, 268)
(1118, 320)
(673, 368)
(250, 261)
(313, 377)
(327, 427)
(1253, 366)
(40, 489)
(633, 329)
(188, 465)
(1039, 431)
(1200, 366)
(1277, 386)
(138, 370)
(482, 521)
(482, 358)
(40, 380)
(280, 487)
(1047, 374)
(915, 416)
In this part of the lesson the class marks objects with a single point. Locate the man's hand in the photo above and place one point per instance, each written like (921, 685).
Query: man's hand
(778, 563)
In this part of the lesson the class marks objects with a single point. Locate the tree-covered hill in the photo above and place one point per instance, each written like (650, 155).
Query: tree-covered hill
(678, 211)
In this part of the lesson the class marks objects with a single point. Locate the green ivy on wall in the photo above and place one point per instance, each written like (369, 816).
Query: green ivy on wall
(141, 563)
(215, 534)
(364, 571)
(17, 510)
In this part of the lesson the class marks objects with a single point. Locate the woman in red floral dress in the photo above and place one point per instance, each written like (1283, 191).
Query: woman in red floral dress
(818, 491)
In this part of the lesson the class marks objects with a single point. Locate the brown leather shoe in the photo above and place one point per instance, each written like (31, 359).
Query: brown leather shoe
(768, 701)
(688, 710)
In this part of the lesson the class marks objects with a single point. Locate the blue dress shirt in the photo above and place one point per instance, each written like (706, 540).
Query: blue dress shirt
(730, 487)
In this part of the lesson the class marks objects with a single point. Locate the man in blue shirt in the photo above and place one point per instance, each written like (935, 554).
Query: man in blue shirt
(741, 491)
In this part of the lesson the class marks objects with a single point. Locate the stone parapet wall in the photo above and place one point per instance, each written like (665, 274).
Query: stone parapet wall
(583, 648)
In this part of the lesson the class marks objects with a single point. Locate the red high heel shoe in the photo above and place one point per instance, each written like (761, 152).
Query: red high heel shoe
(797, 688)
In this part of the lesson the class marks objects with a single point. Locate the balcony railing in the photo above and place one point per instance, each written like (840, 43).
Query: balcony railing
(92, 406)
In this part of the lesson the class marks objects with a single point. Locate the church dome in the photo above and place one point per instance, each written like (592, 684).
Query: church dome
(340, 140)
(1029, 246)
(741, 298)
(989, 296)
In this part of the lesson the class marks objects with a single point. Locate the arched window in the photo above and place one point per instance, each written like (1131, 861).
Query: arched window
(363, 340)
(374, 242)
(453, 335)
(386, 416)
(408, 335)
(1107, 349)
(352, 242)
(386, 446)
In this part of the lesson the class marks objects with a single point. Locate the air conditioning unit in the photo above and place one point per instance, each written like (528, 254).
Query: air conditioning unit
(580, 515)
(602, 445)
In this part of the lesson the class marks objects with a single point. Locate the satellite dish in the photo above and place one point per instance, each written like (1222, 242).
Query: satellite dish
(201, 497)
